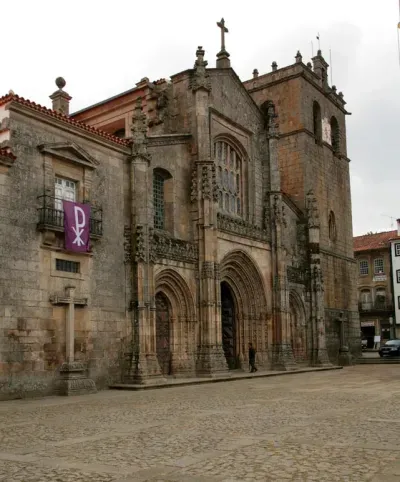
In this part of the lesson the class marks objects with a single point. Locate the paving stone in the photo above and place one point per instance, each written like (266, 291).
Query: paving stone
(324, 426)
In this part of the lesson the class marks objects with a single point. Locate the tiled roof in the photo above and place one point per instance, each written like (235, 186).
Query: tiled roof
(373, 241)
(44, 110)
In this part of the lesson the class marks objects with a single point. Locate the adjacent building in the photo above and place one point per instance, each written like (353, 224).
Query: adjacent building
(374, 285)
(395, 275)
(220, 214)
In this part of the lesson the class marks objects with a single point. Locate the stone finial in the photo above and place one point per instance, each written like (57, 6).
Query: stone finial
(255, 73)
(334, 89)
(139, 131)
(274, 66)
(341, 95)
(200, 77)
(319, 53)
(60, 98)
(299, 57)
(309, 65)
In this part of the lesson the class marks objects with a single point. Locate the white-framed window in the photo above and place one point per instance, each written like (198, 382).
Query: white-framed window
(363, 267)
(365, 299)
(229, 178)
(398, 276)
(64, 189)
(397, 249)
(378, 266)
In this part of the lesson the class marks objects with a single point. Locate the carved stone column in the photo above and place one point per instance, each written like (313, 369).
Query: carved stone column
(282, 352)
(345, 358)
(319, 353)
(211, 359)
(142, 363)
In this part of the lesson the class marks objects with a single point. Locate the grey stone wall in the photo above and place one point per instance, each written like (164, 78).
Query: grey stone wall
(32, 339)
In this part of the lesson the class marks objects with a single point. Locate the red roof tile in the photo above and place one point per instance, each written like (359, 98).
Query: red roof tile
(373, 241)
(44, 110)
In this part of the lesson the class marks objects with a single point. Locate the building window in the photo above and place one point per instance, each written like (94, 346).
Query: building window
(398, 302)
(162, 199)
(397, 249)
(398, 276)
(317, 122)
(332, 226)
(363, 266)
(378, 266)
(229, 177)
(64, 189)
(68, 266)
(335, 139)
(365, 300)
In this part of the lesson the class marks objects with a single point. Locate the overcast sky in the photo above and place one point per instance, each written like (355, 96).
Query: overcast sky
(102, 48)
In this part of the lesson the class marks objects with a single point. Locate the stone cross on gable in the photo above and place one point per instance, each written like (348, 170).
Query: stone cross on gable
(224, 30)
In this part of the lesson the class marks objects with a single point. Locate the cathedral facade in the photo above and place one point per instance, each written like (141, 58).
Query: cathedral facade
(220, 214)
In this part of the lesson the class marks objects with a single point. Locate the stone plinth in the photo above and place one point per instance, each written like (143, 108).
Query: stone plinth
(211, 362)
(345, 358)
(282, 357)
(73, 380)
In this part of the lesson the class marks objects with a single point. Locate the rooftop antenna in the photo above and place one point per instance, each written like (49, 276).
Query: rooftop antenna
(392, 219)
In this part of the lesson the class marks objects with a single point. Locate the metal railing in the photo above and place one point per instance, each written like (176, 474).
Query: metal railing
(375, 306)
(51, 217)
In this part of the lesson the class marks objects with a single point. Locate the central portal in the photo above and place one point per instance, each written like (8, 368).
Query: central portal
(228, 325)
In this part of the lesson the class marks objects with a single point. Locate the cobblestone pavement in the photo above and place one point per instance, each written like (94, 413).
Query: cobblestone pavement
(341, 425)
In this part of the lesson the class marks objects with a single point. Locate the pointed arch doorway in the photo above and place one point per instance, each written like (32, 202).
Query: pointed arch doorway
(163, 343)
(228, 322)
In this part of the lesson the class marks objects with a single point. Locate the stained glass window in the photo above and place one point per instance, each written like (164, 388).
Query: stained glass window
(229, 162)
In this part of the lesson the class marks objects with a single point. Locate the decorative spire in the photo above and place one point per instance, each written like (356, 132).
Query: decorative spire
(139, 131)
(299, 57)
(274, 66)
(200, 79)
(255, 73)
(223, 61)
(60, 98)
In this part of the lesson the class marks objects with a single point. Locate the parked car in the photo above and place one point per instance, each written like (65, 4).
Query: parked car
(390, 348)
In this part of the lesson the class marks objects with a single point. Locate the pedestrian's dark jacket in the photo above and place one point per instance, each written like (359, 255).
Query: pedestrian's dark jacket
(252, 353)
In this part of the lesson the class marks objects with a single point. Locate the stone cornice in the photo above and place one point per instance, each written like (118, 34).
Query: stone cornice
(168, 139)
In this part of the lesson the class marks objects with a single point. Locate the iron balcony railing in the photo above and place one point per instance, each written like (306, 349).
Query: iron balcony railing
(365, 306)
(52, 218)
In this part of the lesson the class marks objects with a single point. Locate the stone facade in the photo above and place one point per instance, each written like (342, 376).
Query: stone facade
(222, 219)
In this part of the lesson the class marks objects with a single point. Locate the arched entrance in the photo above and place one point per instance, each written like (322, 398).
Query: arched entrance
(176, 325)
(243, 309)
(228, 326)
(163, 350)
(298, 335)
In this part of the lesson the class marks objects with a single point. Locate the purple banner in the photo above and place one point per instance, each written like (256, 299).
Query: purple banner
(76, 226)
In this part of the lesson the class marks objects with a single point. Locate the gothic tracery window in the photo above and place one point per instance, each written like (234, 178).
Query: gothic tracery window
(229, 177)
(162, 199)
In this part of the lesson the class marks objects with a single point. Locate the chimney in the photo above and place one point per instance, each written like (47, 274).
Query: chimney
(398, 227)
(60, 98)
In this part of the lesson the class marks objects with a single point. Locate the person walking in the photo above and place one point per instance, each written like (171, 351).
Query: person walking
(252, 358)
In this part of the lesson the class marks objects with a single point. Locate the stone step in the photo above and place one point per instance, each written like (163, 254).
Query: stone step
(233, 375)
